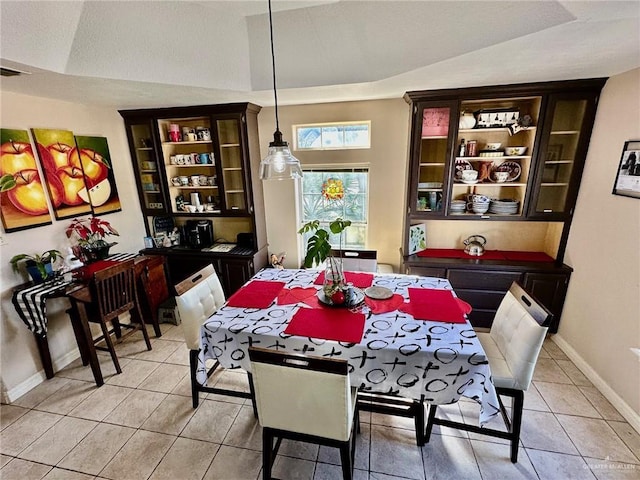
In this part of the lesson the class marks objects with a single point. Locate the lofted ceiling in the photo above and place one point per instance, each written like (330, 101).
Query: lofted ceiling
(132, 53)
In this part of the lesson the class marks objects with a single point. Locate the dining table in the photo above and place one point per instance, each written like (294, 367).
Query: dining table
(30, 303)
(416, 344)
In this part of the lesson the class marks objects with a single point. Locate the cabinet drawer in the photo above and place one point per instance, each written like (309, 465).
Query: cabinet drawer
(482, 279)
(427, 272)
(481, 299)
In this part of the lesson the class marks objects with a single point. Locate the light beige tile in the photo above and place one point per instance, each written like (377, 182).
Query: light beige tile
(382, 476)
(245, 431)
(139, 456)
(165, 378)
(186, 459)
(136, 408)
(566, 399)
(4, 459)
(67, 398)
(172, 332)
(574, 373)
(449, 412)
(18, 469)
(97, 449)
(40, 393)
(9, 414)
(101, 402)
(59, 440)
(533, 400)
(288, 468)
(449, 458)
(77, 371)
(171, 416)
(235, 380)
(471, 415)
(629, 436)
(302, 450)
(183, 387)
(363, 442)
(134, 374)
(131, 346)
(494, 461)
(601, 404)
(21, 433)
(548, 370)
(394, 421)
(211, 421)
(608, 470)
(595, 438)
(60, 474)
(554, 466)
(542, 431)
(233, 463)
(394, 452)
(554, 350)
(161, 349)
(180, 356)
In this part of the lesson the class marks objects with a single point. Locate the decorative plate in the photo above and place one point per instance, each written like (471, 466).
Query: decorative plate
(460, 166)
(513, 168)
(378, 293)
(353, 299)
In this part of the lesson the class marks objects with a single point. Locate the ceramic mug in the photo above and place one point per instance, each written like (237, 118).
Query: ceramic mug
(204, 134)
(176, 181)
(501, 176)
(180, 159)
(173, 159)
(184, 180)
(195, 159)
(202, 180)
(190, 208)
(191, 137)
(212, 180)
(204, 158)
(174, 136)
(195, 180)
(469, 175)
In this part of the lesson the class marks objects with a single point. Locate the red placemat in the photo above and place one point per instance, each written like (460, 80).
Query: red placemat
(434, 305)
(360, 280)
(288, 296)
(384, 306)
(86, 272)
(337, 324)
(527, 256)
(256, 294)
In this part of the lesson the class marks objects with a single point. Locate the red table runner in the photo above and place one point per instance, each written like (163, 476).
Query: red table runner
(434, 305)
(338, 324)
(256, 294)
(358, 279)
(308, 295)
(488, 255)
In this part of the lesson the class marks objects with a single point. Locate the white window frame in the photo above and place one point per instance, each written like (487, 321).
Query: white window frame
(297, 147)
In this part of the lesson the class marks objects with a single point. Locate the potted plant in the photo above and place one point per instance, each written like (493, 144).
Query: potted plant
(89, 234)
(319, 250)
(39, 266)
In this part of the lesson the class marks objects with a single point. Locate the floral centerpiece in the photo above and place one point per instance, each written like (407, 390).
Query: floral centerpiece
(319, 250)
(89, 235)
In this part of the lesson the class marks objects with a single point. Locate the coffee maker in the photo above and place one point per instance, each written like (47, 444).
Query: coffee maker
(199, 233)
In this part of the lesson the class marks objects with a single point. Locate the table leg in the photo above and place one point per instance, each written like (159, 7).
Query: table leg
(83, 326)
(45, 355)
(79, 333)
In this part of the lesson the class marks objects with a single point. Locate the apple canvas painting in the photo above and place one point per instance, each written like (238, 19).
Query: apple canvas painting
(63, 172)
(23, 203)
(93, 155)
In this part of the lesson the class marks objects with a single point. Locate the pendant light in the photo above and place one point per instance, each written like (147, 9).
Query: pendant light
(279, 164)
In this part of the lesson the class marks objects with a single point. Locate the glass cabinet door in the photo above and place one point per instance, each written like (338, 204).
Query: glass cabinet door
(146, 167)
(229, 134)
(431, 153)
(562, 155)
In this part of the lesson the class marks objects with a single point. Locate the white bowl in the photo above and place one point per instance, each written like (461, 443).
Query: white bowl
(494, 146)
(513, 151)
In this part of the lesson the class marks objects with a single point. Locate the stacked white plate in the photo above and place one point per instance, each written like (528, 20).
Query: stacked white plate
(504, 206)
(457, 206)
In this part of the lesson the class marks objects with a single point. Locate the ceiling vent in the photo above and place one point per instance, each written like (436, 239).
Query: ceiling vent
(8, 72)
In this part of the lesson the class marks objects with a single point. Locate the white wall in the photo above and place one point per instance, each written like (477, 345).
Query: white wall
(20, 366)
(601, 318)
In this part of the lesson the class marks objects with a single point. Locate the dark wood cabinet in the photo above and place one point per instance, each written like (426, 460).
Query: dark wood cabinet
(538, 133)
(201, 163)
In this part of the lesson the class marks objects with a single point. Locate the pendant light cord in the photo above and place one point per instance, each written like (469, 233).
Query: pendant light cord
(273, 65)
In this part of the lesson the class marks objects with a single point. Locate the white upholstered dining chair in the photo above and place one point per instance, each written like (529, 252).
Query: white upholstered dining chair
(198, 297)
(304, 398)
(512, 347)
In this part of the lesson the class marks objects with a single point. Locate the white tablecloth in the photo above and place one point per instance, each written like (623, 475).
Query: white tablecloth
(397, 355)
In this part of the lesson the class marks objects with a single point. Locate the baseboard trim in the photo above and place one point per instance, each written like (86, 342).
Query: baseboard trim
(37, 378)
(623, 407)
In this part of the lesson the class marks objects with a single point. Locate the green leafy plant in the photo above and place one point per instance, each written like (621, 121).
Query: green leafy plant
(318, 246)
(38, 260)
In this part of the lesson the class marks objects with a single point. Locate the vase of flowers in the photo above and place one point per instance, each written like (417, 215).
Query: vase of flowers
(319, 250)
(89, 235)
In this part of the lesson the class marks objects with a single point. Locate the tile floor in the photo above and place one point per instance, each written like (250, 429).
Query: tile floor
(140, 425)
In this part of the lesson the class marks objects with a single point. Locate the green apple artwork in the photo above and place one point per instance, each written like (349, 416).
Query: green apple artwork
(23, 203)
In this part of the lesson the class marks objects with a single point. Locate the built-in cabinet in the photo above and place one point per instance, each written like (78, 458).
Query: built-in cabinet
(201, 163)
(528, 144)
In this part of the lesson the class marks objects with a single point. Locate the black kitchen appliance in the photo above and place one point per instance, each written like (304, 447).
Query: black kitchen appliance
(199, 233)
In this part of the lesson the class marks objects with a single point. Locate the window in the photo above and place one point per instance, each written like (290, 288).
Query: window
(328, 194)
(327, 136)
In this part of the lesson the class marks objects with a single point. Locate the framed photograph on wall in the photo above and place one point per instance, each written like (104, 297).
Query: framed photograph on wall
(627, 182)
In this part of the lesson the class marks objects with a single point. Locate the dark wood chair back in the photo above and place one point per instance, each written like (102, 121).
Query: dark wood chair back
(116, 290)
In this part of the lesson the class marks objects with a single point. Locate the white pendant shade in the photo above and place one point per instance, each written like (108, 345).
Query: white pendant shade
(279, 164)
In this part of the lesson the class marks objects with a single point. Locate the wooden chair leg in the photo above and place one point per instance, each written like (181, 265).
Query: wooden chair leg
(252, 390)
(112, 350)
(516, 423)
(430, 418)
(419, 421)
(193, 368)
(267, 453)
(142, 326)
(347, 460)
